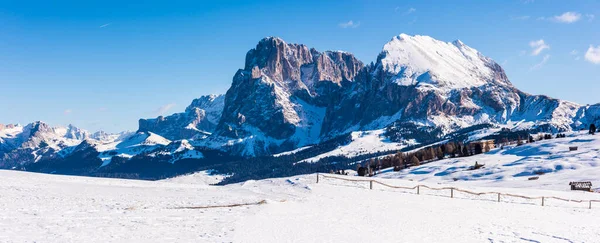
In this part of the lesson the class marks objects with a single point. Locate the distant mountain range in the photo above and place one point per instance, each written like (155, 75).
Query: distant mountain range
(291, 103)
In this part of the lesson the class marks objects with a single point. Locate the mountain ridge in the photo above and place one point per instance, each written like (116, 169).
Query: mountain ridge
(289, 96)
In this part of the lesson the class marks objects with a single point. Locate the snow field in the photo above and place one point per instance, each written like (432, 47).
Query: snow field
(51, 208)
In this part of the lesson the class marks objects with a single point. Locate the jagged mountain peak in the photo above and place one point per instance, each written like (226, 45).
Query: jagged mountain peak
(275, 90)
(199, 119)
(272, 38)
(206, 102)
(9, 126)
(280, 62)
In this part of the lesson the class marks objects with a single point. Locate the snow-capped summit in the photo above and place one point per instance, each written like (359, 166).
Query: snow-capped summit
(21, 145)
(211, 105)
(430, 63)
(39, 133)
(103, 136)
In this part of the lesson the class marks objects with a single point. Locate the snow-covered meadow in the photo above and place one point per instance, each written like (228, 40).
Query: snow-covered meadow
(512, 167)
(53, 208)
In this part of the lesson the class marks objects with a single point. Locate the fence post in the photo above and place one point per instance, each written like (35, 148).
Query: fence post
(542, 201)
(451, 192)
(498, 197)
(317, 178)
(371, 184)
(590, 204)
(418, 187)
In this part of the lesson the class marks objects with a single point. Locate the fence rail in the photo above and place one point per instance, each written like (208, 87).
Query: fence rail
(453, 189)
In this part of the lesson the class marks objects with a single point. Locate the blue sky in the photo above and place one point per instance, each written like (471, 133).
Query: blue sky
(102, 65)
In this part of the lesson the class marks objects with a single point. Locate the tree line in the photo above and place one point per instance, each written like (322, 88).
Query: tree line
(453, 149)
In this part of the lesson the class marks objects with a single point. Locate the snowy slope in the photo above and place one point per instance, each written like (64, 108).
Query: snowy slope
(512, 166)
(130, 146)
(197, 121)
(178, 150)
(291, 151)
(427, 62)
(50, 208)
(8, 134)
(364, 142)
(198, 178)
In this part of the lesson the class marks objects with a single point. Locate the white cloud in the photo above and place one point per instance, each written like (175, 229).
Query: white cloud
(590, 17)
(538, 46)
(407, 12)
(542, 63)
(567, 17)
(410, 11)
(349, 24)
(527, 1)
(163, 109)
(593, 54)
(524, 17)
(67, 111)
(576, 54)
(102, 109)
(104, 25)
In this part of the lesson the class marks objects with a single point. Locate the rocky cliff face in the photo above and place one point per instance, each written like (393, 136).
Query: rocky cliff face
(199, 120)
(282, 92)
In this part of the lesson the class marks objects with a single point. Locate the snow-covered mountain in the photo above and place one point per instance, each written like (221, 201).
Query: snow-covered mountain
(198, 121)
(289, 97)
(21, 146)
(27, 144)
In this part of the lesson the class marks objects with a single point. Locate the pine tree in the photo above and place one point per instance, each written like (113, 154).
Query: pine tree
(415, 161)
(431, 153)
(478, 148)
(465, 151)
(439, 152)
(450, 149)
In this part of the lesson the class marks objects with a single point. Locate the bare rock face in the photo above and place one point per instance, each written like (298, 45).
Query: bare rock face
(281, 88)
(199, 119)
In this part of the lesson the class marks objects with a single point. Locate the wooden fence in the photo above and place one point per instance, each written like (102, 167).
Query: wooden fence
(454, 189)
